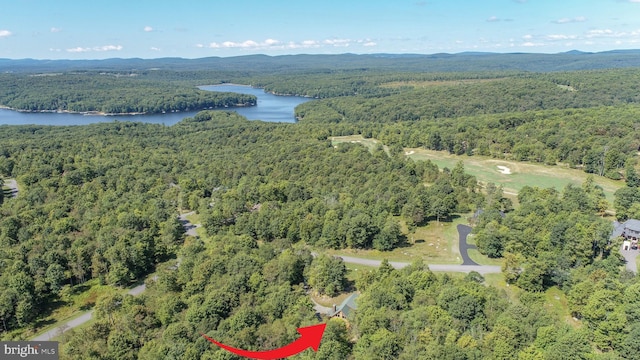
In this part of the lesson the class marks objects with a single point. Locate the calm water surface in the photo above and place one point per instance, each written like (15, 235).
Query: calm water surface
(270, 108)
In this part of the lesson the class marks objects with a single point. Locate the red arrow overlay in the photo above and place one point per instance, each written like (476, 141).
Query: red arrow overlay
(310, 337)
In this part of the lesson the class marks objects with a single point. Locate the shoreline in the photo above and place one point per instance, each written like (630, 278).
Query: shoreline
(100, 113)
(263, 89)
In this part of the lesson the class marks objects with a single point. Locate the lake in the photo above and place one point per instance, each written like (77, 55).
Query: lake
(272, 108)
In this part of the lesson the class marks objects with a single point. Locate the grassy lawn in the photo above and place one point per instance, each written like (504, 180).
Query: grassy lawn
(74, 302)
(354, 269)
(329, 301)
(555, 301)
(476, 256)
(435, 243)
(556, 304)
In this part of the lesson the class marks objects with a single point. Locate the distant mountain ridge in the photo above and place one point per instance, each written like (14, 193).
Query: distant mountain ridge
(442, 62)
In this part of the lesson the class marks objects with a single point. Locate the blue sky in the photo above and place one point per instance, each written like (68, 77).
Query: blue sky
(97, 29)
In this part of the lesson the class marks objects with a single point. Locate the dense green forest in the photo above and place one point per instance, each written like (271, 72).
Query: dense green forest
(102, 199)
(98, 207)
(109, 93)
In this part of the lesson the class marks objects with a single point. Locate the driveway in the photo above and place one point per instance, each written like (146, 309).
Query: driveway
(463, 232)
(630, 259)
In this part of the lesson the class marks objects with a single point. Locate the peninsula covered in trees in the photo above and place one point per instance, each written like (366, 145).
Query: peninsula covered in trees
(108, 93)
(98, 206)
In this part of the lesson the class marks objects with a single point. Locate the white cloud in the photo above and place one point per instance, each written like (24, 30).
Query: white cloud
(5, 33)
(95, 48)
(634, 1)
(556, 37)
(273, 44)
(155, 48)
(531, 44)
(570, 20)
(148, 29)
(337, 42)
(528, 37)
(56, 30)
(493, 19)
(108, 48)
(600, 33)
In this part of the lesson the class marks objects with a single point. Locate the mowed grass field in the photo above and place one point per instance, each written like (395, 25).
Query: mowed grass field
(487, 169)
(522, 173)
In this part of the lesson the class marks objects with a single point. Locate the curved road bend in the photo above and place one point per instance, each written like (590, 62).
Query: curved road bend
(463, 232)
(46, 336)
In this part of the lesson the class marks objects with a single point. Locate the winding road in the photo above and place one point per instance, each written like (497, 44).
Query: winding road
(57, 331)
(467, 266)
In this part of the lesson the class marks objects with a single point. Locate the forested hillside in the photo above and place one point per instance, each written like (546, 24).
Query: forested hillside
(102, 200)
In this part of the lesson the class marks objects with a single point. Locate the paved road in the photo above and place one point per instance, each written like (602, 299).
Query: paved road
(46, 336)
(134, 292)
(463, 231)
(482, 269)
(188, 226)
(12, 185)
(467, 265)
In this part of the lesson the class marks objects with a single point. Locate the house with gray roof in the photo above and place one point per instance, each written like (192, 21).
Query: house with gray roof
(346, 309)
(629, 230)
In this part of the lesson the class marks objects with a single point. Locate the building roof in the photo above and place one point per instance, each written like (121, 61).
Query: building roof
(619, 228)
(348, 306)
(632, 224)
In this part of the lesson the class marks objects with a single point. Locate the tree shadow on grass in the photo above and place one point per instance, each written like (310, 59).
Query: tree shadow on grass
(52, 304)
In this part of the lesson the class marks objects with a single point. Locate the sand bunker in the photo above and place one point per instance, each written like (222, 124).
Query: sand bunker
(504, 170)
(409, 152)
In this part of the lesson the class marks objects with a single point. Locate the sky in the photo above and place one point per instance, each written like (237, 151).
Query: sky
(99, 29)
